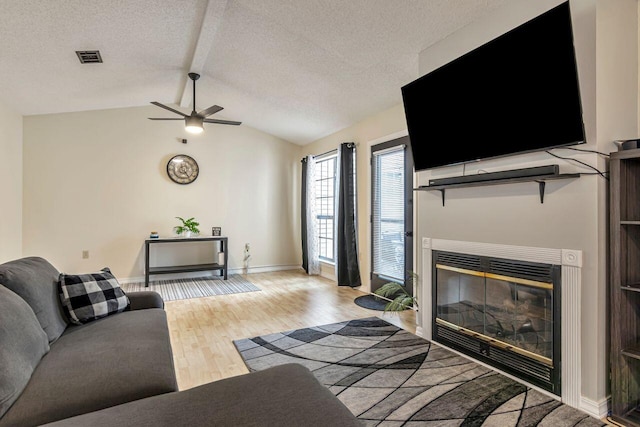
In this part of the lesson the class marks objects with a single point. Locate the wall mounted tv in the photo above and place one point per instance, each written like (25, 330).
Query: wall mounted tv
(517, 93)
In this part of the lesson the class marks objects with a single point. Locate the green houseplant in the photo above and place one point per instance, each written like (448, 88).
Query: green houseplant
(188, 228)
(400, 299)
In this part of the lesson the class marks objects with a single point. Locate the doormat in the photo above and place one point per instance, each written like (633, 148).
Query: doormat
(371, 302)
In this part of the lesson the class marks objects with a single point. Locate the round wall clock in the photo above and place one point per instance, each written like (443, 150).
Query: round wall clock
(182, 169)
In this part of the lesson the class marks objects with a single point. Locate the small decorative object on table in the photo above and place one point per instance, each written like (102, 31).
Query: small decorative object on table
(216, 231)
(189, 227)
(154, 235)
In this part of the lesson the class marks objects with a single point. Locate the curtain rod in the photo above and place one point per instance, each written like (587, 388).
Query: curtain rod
(330, 151)
(304, 159)
(326, 152)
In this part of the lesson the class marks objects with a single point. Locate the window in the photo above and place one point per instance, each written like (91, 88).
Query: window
(325, 205)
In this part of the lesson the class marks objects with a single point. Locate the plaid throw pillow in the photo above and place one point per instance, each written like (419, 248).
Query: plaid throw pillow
(87, 297)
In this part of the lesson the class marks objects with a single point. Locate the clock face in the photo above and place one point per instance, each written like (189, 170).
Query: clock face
(182, 169)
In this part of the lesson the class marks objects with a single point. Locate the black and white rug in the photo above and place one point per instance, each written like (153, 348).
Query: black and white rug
(194, 288)
(388, 376)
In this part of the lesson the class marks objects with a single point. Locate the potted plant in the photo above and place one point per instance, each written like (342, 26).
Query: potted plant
(188, 228)
(400, 299)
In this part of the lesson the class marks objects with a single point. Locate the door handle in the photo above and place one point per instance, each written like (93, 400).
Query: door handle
(408, 234)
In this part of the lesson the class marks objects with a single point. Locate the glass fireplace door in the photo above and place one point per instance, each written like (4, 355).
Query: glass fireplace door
(515, 312)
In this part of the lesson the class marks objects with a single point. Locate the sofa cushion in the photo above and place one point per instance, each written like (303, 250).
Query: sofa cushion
(36, 281)
(107, 362)
(88, 297)
(22, 345)
(283, 396)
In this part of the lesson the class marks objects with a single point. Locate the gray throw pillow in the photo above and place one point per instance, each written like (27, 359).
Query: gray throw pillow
(36, 281)
(22, 345)
(88, 297)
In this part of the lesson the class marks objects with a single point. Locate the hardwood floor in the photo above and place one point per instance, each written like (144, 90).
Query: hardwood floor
(203, 329)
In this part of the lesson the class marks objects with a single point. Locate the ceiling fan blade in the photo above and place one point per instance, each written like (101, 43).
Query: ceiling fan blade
(169, 108)
(209, 111)
(222, 122)
(157, 118)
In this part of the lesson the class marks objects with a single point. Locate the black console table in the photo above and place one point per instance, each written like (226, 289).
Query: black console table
(215, 265)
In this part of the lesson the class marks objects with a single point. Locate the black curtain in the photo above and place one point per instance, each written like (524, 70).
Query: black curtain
(348, 270)
(303, 217)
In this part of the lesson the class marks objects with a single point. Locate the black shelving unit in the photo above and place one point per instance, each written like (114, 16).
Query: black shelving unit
(624, 286)
(148, 270)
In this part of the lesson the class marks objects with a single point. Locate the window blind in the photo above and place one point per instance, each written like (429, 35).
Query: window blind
(388, 213)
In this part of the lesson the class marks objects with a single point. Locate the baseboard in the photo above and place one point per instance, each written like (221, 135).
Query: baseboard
(328, 271)
(264, 269)
(250, 270)
(599, 409)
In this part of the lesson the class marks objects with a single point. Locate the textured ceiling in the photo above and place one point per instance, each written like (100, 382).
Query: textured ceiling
(297, 69)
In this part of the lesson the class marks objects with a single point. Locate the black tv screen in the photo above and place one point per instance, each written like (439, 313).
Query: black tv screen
(517, 93)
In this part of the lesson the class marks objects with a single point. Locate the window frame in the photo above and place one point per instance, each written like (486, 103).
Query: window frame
(331, 156)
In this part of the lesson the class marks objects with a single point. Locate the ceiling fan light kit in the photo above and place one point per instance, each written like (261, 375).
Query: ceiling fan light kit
(194, 123)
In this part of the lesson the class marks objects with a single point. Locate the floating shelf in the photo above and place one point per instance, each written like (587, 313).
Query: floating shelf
(541, 180)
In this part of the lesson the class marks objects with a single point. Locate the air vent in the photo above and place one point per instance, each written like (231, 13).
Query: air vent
(89, 56)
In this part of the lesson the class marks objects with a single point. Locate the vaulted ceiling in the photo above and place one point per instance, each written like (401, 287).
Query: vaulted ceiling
(297, 69)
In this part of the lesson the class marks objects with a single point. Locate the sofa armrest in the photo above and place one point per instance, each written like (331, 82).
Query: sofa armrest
(145, 299)
(283, 396)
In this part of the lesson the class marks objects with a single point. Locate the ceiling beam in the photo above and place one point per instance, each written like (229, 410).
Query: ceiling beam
(210, 24)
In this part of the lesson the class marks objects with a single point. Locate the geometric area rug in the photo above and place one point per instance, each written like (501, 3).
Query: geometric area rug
(196, 287)
(388, 376)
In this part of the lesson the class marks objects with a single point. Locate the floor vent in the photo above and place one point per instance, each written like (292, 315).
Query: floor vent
(89, 56)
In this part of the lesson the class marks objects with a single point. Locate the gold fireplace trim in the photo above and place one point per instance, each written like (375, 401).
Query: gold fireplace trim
(496, 343)
(527, 282)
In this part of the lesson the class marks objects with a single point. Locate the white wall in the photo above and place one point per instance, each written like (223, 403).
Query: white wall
(386, 123)
(10, 184)
(97, 181)
(574, 212)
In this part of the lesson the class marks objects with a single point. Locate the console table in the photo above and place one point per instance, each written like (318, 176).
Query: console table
(215, 265)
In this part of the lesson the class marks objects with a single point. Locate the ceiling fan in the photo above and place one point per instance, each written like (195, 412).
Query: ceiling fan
(194, 122)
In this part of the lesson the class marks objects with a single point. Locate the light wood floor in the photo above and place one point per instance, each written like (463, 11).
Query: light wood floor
(203, 329)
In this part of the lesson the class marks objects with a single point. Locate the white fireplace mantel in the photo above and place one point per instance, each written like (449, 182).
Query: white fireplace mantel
(571, 266)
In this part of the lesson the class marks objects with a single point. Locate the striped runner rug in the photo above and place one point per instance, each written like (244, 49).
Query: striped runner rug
(197, 287)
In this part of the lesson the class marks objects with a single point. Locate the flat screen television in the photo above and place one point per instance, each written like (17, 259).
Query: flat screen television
(517, 93)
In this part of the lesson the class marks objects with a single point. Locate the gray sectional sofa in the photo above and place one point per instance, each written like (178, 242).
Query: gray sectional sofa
(119, 370)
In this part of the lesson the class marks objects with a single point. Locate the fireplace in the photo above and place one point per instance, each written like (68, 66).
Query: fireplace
(503, 312)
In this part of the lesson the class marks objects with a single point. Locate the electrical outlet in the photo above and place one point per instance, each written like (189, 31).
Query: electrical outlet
(85, 254)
